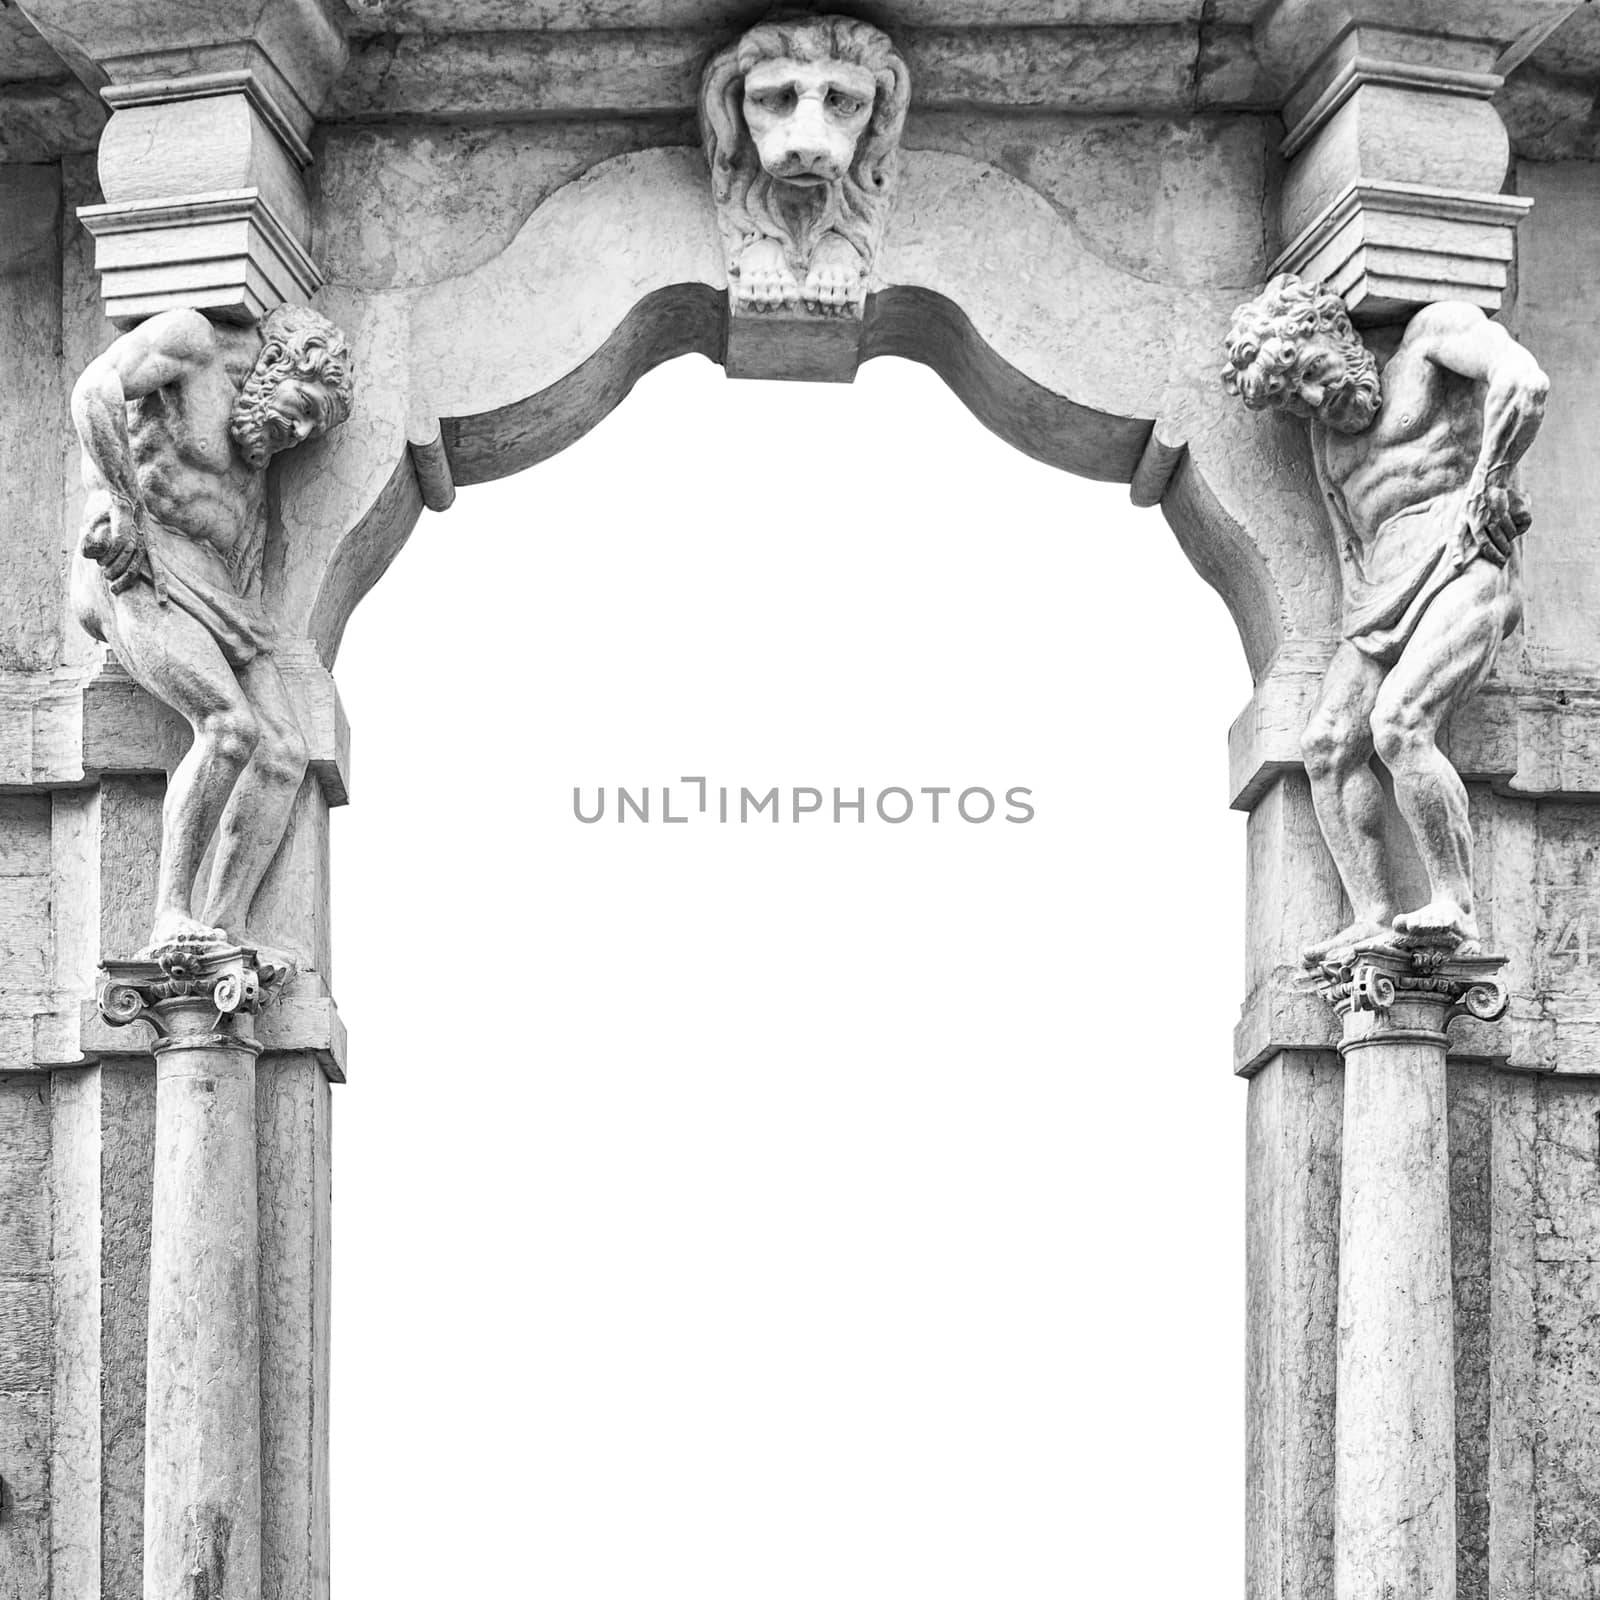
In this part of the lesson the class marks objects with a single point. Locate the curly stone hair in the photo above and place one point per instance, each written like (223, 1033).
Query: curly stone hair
(297, 343)
(1274, 336)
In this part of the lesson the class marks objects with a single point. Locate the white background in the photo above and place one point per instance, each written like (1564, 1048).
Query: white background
(798, 1212)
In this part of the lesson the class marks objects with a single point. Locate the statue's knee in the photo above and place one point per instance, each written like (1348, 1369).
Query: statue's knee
(282, 754)
(1398, 733)
(1324, 747)
(233, 734)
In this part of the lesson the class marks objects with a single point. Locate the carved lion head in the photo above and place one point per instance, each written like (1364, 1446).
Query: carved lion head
(809, 107)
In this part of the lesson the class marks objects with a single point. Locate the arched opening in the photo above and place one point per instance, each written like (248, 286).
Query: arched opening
(808, 1207)
(1085, 360)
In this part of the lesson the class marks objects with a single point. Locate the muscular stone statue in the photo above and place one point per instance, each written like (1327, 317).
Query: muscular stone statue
(178, 420)
(1414, 461)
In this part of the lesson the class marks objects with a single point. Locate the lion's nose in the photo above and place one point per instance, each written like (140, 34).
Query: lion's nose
(807, 147)
(813, 160)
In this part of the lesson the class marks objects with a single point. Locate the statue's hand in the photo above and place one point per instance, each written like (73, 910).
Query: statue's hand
(1496, 517)
(121, 551)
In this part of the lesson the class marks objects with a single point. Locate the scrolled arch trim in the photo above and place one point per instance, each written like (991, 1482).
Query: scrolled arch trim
(1074, 361)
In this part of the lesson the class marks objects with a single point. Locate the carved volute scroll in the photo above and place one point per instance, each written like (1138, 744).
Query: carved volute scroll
(1414, 442)
(178, 421)
(1389, 994)
(196, 994)
(801, 122)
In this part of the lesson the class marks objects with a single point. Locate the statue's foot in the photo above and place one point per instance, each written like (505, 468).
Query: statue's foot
(175, 931)
(1441, 924)
(1365, 933)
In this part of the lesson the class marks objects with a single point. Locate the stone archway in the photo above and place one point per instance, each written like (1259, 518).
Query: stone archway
(1113, 391)
(512, 225)
(902, 628)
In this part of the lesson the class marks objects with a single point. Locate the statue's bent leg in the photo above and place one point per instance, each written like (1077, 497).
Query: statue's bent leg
(257, 812)
(1337, 749)
(170, 654)
(1446, 660)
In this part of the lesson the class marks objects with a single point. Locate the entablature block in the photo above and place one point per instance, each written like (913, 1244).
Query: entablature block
(1396, 154)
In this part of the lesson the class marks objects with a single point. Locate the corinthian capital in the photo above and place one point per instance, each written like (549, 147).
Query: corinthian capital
(191, 993)
(1393, 994)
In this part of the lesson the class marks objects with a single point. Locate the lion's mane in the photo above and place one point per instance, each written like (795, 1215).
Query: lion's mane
(857, 206)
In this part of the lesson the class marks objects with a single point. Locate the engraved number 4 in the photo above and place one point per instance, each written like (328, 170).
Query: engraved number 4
(1574, 941)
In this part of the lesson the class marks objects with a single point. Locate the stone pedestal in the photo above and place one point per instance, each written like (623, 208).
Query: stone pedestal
(202, 1506)
(1395, 1437)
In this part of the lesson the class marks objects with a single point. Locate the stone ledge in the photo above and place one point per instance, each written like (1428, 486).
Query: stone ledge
(227, 254)
(450, 74)
(1387, 248)
(305, 1019)
(1533, 740)
(41, 731)
(59, 732)
(1281, 1016)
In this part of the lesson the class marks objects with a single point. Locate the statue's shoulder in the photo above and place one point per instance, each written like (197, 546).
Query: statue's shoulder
(1441, 325)
(182, 334)
(237, 349)
(170, 350)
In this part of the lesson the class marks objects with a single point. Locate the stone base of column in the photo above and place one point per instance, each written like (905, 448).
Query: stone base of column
(202, 1507)
(1395, 1468)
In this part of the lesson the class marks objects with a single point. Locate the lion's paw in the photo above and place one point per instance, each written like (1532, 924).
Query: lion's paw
(768, 291)
(833, 287)
(765, 281)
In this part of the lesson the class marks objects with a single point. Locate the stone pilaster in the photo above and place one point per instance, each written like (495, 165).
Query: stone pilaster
(203, 1505)
(202, 164)
(1396, 158)
(1395, 1436)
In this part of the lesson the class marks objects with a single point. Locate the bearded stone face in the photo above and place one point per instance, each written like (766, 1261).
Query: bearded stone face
(807, 117)
(270, 418)
(1293, 349)
(1337, 385)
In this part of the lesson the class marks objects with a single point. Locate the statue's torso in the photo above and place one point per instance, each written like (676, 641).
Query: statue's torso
(1420, 448)
(193, 479)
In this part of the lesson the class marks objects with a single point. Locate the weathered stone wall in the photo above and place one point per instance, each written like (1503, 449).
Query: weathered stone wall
(31, 567)
(1529, 1210)
(1526, 1239)
(1557, 312)
(25, 1372)
(1182, 200)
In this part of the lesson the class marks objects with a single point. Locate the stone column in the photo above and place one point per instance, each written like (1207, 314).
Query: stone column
(202, 1498)
(1395, 1443)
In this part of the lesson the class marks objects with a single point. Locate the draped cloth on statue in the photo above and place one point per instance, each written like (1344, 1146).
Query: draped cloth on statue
(1391, 580)
(199, 579)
